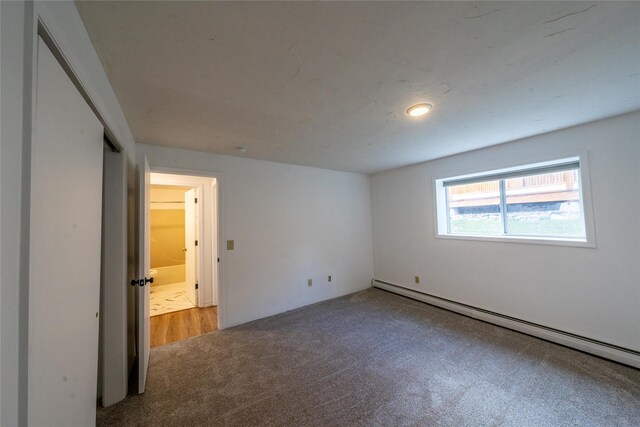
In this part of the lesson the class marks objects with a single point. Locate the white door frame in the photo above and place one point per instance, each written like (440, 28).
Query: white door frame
(211, 203)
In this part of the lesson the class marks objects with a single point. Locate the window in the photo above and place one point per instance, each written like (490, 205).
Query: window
(535, 202)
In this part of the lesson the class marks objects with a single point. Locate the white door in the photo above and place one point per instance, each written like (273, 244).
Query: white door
(190, 237)
(143, 293)
(64, 251)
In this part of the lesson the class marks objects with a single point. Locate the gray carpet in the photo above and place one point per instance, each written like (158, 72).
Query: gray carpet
(374, 358)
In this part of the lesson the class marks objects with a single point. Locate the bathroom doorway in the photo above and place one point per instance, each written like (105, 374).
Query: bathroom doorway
(174, 233)
(183, 242)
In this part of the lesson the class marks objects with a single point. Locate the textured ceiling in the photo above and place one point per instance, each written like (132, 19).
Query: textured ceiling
(326, 84)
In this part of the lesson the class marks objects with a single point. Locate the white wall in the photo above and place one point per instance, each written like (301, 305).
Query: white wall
(18, 37)
(590, 292)
(289, 223)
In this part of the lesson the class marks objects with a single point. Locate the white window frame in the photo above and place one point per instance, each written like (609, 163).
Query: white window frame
(441, 214)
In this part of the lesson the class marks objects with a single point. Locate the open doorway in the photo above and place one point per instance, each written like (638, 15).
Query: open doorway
(183, 257)
(174, 233)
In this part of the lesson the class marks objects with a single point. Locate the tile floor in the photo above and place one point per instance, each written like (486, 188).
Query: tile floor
(169, 298)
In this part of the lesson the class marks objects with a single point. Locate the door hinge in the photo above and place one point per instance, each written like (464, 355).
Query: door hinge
(196, 200)
(218, 259)
(196, 285)
(196, 243)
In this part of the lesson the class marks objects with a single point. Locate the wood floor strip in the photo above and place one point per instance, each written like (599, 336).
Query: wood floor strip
(171, 327)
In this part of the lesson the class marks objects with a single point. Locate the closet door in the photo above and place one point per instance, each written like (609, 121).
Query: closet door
(64, 251)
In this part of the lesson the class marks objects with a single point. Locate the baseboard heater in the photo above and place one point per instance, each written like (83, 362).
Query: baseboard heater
(588, 345)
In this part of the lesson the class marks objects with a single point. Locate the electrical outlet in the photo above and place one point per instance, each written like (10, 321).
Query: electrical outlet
(309, 282)
(417, 279)
(329, 279)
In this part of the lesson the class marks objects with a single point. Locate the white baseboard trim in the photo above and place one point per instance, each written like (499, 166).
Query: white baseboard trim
(607, 351)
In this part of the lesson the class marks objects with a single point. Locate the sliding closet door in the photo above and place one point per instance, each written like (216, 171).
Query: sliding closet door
(64, 261)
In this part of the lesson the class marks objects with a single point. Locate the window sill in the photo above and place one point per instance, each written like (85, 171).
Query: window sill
(549, 241)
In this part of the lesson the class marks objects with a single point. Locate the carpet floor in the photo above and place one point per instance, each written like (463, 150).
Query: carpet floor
(377, 359)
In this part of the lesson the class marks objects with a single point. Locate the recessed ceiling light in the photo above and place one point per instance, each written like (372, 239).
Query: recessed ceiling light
(241, 149)
(418, 110)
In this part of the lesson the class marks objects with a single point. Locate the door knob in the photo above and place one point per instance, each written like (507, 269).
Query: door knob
(141, 282)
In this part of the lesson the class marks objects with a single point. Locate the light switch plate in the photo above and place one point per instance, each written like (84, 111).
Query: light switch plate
(230, 245)
(417, 279)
